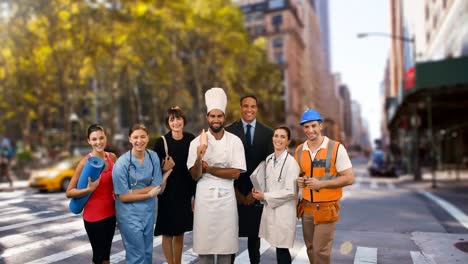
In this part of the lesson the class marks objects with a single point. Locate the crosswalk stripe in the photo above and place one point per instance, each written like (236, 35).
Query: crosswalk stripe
(391, 186)
(451, 209)
(40, 244)
(118, 257)
(421, 258)
(13, 210)
(37, 221)
(301, 257)
(365, 255)
(12, 201)
(373, 185)
(12, 194)
(189, 256)
(24, 216)
(17, 239)
(244, 256)
(67, 254)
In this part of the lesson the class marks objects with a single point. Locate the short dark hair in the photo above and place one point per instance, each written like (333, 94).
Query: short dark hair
(95, 127)
(175, 112)
(285, 128)
(137, 127)
(248, 96)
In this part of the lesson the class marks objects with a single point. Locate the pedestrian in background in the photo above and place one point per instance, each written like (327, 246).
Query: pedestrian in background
(215, 160)
(137, 180)
(325, 170)
(175, 215)
(278, 224)
(256, 139)
(99, 211)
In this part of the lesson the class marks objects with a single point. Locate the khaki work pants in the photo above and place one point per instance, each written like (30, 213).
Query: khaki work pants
(318, 239)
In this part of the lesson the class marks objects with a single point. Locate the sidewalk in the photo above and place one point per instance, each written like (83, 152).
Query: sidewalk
(443, 180)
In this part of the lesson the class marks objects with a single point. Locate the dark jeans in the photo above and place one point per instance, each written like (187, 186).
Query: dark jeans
(283, 256)
(253, 244)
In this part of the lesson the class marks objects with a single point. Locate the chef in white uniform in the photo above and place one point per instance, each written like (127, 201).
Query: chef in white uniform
(216, 158)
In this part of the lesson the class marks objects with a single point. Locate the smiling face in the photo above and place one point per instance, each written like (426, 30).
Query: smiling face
(215, 120)
(139, 139)
(281, 139)
(312, 130)
(98, 140)
(249, 109)
(176, 124)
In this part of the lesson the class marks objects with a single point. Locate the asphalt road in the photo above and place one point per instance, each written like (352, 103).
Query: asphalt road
(382, 221)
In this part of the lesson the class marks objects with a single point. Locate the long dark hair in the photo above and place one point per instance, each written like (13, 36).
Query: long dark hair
(95, 127)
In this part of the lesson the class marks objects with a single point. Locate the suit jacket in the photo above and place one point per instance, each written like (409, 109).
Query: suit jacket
(261, 148)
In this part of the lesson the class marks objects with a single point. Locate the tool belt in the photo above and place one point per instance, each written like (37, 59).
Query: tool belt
(322, 212)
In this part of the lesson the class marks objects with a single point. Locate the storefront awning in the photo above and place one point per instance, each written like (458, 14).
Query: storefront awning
(444, 81)
(440, 74)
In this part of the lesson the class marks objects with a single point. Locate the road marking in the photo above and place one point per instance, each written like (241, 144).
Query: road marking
(421, 258)
(40, 244)
(450, 208)
(301, 257)
(68, 253)
(11, 194)
(373, 185)
(13, 210)
(391, 186)
(189, 256)
(244, 256)
(118, 257)
(37, 221)
(356, 184)
(365, 255)
(17, 239)
(13, 201)
(25, 216)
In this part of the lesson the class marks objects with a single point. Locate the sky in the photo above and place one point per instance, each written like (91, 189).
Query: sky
(361, 61)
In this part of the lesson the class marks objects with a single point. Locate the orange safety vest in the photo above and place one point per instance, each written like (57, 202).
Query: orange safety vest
(322, 168)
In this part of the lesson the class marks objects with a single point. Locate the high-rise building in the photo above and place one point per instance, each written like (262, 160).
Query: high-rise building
(321, 9)
(293, 36)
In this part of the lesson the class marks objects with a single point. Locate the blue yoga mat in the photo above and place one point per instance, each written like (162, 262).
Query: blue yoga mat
(93, 168)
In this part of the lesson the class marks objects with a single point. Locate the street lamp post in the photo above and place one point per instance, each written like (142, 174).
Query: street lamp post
(415, 119)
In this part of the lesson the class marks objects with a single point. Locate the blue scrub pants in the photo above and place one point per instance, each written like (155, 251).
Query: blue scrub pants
(137, 237)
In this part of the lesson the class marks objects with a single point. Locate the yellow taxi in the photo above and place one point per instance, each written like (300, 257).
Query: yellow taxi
(55, 177)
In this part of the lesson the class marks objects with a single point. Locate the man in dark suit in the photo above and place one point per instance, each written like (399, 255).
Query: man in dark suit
(257, 140)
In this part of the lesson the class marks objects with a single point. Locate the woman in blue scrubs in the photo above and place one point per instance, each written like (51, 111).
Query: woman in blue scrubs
(137, 180)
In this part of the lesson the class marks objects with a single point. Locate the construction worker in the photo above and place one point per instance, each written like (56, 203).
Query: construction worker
(325, 170)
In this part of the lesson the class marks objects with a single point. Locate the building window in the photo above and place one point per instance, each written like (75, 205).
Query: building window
(276, 21)
(279, 58)
(257, 16)
(277, 42)
(276, 4)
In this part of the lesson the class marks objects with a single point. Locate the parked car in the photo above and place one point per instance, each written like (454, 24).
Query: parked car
(55, 177)
(379, 165)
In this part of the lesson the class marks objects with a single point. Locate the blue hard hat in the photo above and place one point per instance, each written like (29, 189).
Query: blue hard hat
(310, 115)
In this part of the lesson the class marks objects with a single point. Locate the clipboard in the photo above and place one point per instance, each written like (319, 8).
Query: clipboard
(258, 177)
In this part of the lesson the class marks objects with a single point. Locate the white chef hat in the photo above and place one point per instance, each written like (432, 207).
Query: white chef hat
(215, 98)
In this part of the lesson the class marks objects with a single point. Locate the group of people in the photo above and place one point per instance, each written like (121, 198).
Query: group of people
(203, 184)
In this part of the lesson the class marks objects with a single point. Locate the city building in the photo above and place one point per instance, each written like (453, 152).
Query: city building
(293, 36)
(428, 91)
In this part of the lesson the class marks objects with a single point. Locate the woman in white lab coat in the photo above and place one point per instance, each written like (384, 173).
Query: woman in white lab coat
(278, 224)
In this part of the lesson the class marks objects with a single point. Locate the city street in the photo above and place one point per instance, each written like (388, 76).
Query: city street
(383, 221)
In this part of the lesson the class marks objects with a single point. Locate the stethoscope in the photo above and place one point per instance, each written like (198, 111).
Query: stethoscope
(132, 166)
(282, 166)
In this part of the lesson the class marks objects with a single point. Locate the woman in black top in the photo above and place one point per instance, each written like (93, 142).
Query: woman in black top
(175, 216)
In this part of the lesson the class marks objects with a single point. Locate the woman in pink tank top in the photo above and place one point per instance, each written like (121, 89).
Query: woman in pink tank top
(99, 211)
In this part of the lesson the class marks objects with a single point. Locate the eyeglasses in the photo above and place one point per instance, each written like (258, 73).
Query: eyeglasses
(132, 171)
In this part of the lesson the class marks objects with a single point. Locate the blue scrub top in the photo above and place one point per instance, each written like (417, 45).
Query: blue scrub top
(138, 179)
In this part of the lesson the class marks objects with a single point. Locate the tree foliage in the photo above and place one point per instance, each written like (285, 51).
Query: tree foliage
(122, 62)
